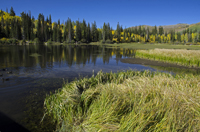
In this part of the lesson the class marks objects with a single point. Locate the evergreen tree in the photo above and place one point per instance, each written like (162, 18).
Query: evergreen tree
(32, 27)
(39, 28)
(23, 16)
(118, 32)
(94, 32)
(83, 30)
(147, 34)
(12, 13)
(50, 28)
(88, 33)
(18, 30)
(70, 35)
(161, 30)
(154, 31)
(78, 31)
(58, 32)
(7, 30)
(104, 32)
(13, 31)
(55, 32)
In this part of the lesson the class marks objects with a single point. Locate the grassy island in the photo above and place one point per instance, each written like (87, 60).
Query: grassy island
(127, 101)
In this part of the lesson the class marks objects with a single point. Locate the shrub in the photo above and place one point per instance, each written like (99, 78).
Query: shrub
(36, 41)
(22, 42)
(102, 41)
(83, 40)
(31, 42)
(4, 41)
(49, 42)
(65, 42)
(108, 41)
(72, 41)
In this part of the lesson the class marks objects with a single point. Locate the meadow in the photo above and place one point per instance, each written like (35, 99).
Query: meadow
(178, 56)
(127, 101)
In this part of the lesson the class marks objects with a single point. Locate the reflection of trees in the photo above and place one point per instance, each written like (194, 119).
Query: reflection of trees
(19, 56)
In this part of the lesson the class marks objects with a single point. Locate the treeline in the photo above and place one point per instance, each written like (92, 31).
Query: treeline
(27, 28)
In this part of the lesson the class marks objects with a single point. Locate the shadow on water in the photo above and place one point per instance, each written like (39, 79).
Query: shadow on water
(9, 125)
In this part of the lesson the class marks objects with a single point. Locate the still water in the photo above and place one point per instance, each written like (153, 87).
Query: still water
(39, 69)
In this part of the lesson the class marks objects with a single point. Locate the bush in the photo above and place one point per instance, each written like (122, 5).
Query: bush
(108, 41)
(102, 41)
(72, 41)
(36, 41)
(4, 41)
(83, 40)
(13, 41)
(65, 42)
(31, 42)
(22, 42)
(49, 42)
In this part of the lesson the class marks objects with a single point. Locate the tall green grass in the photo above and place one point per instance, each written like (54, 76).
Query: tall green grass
(177, 56)
(127, 101)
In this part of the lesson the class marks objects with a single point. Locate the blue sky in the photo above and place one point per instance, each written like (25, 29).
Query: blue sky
(127, 12)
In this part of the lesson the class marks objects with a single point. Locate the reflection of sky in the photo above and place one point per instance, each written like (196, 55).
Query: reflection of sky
(62, 70)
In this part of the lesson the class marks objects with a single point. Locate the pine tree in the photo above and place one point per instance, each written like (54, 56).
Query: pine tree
(94, 32)
(78, 31)
(2, 27)
(104, 32)
(39, 26)
(118, 32)
(161, 30)
(88, 33)
(13, 31)
(55, 32)
(12, 13)
(7, 30)
(58, 32)
(1, 34)
(50, 28)
(83, 30)
(70, 35)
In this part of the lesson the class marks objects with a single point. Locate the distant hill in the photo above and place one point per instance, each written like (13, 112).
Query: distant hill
(178, 27)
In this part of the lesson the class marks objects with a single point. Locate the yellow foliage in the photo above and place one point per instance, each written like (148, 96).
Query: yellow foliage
(113, 32)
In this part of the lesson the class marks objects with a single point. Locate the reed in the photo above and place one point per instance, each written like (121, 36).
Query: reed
(178, 56)
(127, 101)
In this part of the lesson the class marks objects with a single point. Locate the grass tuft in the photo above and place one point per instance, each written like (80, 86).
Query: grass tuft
(127, 101)
(177, 56)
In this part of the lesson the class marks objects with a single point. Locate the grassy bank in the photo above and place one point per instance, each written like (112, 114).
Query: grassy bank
(177, 56)
(127, 101)
(150, 46)
(140, 45)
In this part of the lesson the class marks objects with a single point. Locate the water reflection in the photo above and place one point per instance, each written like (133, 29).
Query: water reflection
(39, 69)
(47, 56)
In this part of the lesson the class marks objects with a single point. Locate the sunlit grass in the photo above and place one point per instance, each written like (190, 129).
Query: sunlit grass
(150, 46)
(177, 56)
(127, 101)
(35, 55)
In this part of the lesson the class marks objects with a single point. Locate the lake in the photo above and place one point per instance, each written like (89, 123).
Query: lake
(37, 70)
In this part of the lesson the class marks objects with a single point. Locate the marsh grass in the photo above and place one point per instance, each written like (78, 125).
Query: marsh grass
(127, 101)
(177, 56)
(35, 55)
